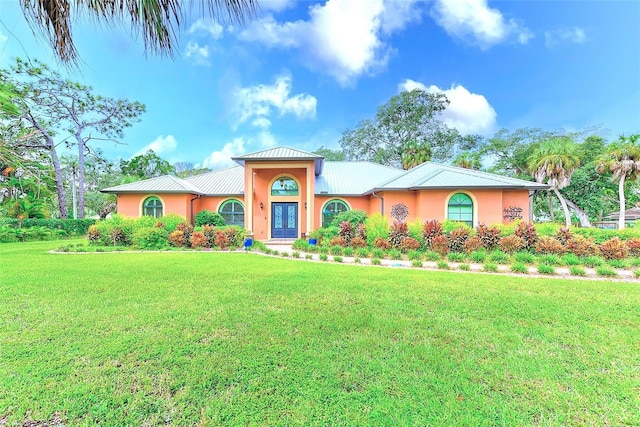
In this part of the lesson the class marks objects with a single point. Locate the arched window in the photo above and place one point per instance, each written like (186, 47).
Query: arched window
(152, 206)
(331, 209)
(233, 212)
(460, 208)
(284, 186)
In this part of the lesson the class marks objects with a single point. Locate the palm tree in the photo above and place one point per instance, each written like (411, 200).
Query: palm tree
(157, 21)
(415, 154)
(622, 158)
(554, 160)
(467, 160)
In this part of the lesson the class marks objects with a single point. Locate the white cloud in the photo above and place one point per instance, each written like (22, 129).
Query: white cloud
(3, 39)
(161, 145)
(208, 27)
(476, 23)
(261, 122)
(222, 158)
(568, 35)
(342, 38)
(469, 113)
(261, 101)
(196, 54)
(276, 5)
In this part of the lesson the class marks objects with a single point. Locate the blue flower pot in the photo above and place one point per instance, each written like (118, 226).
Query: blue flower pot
(313, 242)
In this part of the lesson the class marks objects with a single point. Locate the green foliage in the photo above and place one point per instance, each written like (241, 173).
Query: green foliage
(499, 257)
(377, 253)
(550, 259)
(209, 218)
(8, 234)
(601, 235)
(577, 271)
(72, 227)
(442, 265)
(395, 254)
(456, 257)
(478, 256)
(171, 221)
(519, 267)
(377, 227)
(354, 217)
(448, 226)
(416, 263)
(571, 259)
(619, 263)
(524, 257)
(490, 267)
(147, 165)
(546, 269)
(300, 245)
(337, 258)
(415, 255)
(348, 251)
(362, 252)
(464, 267)
(593, 261)
(432, 256)
(150, 238)
(606, 271)
(614, 248)
(415, 230)
(336, 250)
(376, 261)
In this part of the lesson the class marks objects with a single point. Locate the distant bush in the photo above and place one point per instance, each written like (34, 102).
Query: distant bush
(354, 217)
(150, 238)
(209, 218)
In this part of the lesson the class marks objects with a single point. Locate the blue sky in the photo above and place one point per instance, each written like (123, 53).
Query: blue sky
(303, 72)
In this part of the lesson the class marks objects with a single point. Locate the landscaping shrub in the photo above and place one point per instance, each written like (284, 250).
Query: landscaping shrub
(409, 244)
(220, 240)
(198, 240)
(432, 256)
(94, 235)
(416, 263)
(473, 244)
(593, 261)
(210, 233)
(171, 221)
(362, 252)
(186, 229)
(456, 257)
(619, 263)
(358, 242)
(449, 225)
(457, 238)
(377, 253)
(377, 227)
(336, 250)
(376, 261)
(77, 227)
(346, 233)
(633, 245)
(337, 241)
(511, 244)
(118, 237)
(397, 233)
(415, 255)
(577, 271)
(563, 235)
(354, 217)
(464, 267)
(490, 267)
(443, 265)
(478, 256)
(430, 230)
(549, 245)
(571, 259)
(499, 257)
(440, 244)
(395, 254)
(150, 238)
(348, 251)
(606, 271)
(519, 267)
(209, 218)
(415, 230)
(524, 257)
(324, 234)
(550, 259)
(176, 238)
(489, 236)
(546, 269)
(361, 232)
(235, 235)
(300, 244)
(581, 246)
(614, 248)
(337, 258)
(601, 235)
(381, 243)
(527, 232)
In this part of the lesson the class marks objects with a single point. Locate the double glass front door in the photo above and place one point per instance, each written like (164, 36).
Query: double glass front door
(284, 220)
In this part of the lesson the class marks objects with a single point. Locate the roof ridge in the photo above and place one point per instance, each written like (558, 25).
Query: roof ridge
(278, 147)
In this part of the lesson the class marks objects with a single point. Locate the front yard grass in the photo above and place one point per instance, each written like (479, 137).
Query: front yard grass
(242, 339)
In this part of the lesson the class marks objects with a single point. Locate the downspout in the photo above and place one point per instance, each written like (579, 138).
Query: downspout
(373, 193)
(191, 207)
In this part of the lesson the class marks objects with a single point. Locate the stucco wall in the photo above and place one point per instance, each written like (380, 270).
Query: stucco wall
(131, 204)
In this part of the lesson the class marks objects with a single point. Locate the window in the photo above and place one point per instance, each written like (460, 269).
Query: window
(152, 207)
(331, 209)
(460, 208)
(233, 212)
(284, 186)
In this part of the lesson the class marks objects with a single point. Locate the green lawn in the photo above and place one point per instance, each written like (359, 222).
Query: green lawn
(243, 339)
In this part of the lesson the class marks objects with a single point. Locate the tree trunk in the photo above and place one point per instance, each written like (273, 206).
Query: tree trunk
(80, 142)
(551, 213)
(567, 215)
(580, 213)
(51, 147)
(621, 219)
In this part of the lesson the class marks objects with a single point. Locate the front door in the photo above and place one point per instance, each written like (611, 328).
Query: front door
(284, 220)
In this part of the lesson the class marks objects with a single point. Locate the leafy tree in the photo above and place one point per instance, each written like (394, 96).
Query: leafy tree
(148, 165)
(468, 160)
(415, 154)
(187, 169)
(66, 111)
(406, 122)
(553, 161)
(622, 159)
(156, 21)
(329, 154)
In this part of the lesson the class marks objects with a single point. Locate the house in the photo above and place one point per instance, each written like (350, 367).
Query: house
(283, 192)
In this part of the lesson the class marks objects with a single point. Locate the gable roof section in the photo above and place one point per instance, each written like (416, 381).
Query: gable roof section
(282, 153)
(160, 184)
(229, 181)
(431, 175)
(352, 178)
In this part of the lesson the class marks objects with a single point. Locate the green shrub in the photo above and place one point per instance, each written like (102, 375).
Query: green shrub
(357, 260)
(464, 267)
(519, 267)
(606, 271)
(377, 253)
(324, 257)
(354, 217)
(499, 257)
(150, 238)
(323, 250)
(300, 244)
(348, 251)
(546, 269)
(71, 227)
(415, 255)
(443, 265)
(171, 221)
(416, 263)
(362, 253)
(524, 257)
(619, 263)
(432, 256)
(377, 226)
(308, 256)
(636, 273)
(478, 256)
(448, 226)
(395, 254)
(284, 254)
(456, 257)
(295, 254)
(634, 262)
(376, 261)
(490, 267)
(577, 271)
(415, 230)
(337, 258)
(336, 250)
(593, 261)
(602, 235)
(571, 259)
(549, 229)
(549, 259)
(210, 218)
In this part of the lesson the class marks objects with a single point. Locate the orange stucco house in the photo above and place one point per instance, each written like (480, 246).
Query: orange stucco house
(286, 193)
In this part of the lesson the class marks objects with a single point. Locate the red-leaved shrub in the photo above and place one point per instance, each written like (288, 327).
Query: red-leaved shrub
(198, 239)
(511, 244)
(549, 245)
(614, 248)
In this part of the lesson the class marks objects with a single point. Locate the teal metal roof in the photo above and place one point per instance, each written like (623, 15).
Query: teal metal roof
(283, 153)
(161, 184)
(352, 178)
(431, 175)
(228, 181)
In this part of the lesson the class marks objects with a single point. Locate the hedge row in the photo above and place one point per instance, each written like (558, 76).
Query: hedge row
(71, 226)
